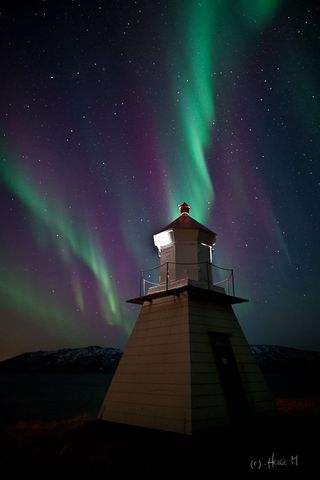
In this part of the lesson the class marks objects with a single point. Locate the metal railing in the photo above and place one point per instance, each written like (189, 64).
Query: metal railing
(209, 275)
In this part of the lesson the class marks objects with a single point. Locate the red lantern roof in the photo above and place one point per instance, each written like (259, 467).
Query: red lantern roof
(184, 208)
(184, 221)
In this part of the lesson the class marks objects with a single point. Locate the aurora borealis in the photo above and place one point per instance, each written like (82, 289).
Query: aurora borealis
(113, 113)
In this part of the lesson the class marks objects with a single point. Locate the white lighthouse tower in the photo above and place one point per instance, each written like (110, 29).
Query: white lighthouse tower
(187, 366)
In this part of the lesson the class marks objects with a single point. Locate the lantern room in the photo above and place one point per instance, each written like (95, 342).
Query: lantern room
(185, 249)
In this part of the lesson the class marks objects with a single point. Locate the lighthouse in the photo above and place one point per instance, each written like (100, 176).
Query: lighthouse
(187, 366)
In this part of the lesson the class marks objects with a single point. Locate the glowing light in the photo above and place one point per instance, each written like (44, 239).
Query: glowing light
(163, 239)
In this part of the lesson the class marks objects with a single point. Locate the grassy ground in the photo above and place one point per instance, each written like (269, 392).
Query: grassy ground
(87, 446)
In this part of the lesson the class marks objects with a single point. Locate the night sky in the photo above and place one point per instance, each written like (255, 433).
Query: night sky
(112, 114)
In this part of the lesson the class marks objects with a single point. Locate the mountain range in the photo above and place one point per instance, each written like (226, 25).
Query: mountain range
(91, 359)
(95, 359)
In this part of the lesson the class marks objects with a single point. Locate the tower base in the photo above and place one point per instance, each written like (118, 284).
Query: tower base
(187, 366)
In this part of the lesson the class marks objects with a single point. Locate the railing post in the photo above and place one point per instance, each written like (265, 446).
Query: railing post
(232, 279)
(141, 279)
(167, 276)
(208, 279)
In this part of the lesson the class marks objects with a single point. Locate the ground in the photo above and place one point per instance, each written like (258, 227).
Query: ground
(86, 446)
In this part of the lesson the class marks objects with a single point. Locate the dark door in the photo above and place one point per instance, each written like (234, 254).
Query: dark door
(229, 376)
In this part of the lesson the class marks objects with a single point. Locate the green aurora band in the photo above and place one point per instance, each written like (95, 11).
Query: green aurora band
(69, 240)
(259, 12)
(199, 26)
(196, 109)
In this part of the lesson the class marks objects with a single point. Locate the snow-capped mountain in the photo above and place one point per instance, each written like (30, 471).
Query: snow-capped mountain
(91, 359)
(96, 359)
(274, 358)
